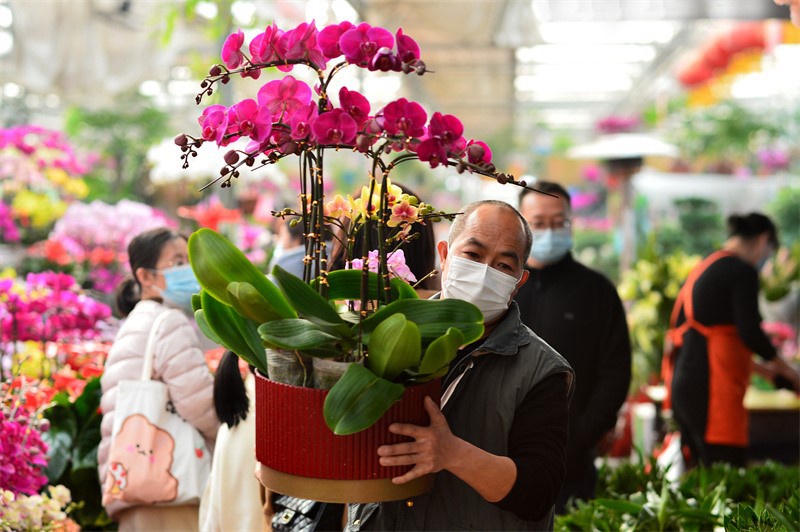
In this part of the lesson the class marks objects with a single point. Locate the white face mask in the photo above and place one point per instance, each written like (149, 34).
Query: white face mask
(483, 286)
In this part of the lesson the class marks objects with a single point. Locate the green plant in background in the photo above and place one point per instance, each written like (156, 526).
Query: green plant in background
(785, 211)
(781, 273)
(725, 135)
(649, 290)
(699, 229)
(637, 497)
(122, 135)
(596, 250)
(72, 454)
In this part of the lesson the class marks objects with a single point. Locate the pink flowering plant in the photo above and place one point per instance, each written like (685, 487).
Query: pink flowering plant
(388, 336)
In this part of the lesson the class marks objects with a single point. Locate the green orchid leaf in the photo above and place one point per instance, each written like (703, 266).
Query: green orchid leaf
(441, 351)
(404, 290)
(297, 334)
(305, 299)
(234, 331)
(393, 347)
(441, 372)
(346, 285)
(205, 328)
(216, 263)
(434, 317)
(248, 302)
(358, 399)
(196, 304)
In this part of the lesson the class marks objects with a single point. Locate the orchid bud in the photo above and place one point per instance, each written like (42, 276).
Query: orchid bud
(181, 140)
(460, 167)
(408, 68)
(232, 157)
(502, 179)
(419, 66)
(363, 142)
(215, 71)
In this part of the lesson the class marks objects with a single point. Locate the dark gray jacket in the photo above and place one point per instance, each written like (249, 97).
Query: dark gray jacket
(481, 411)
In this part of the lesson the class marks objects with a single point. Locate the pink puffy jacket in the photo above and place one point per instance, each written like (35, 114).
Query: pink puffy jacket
(179, 362)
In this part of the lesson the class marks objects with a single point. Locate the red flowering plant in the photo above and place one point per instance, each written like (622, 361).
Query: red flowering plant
(390, 337)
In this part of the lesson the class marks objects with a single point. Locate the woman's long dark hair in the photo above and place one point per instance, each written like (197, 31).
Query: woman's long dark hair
(420, 253)
(230, 396)
(143, 252)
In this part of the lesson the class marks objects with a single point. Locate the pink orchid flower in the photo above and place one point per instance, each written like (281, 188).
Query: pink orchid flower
(301, 43)
(355, 104)
(302, 121)
(335, 127)
(338, 207)
(328, 38)
(402, 117)
(283, 97)
(214, 123)
(385, 59)
(264, 46)
(251, 120)
(232, 55)
(433, 151)
(407, 48)
(403, 212)
(361, 43)
(447, 128)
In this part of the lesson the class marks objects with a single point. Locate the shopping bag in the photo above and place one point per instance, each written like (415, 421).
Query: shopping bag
(156, 457)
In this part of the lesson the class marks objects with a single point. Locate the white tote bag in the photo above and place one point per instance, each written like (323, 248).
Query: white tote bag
(156, 457)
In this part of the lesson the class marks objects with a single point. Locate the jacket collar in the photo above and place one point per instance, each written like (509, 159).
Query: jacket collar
(507, 337)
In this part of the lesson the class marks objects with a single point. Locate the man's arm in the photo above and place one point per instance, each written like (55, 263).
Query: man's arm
(612, 376)
(526, 482)
(436, 448)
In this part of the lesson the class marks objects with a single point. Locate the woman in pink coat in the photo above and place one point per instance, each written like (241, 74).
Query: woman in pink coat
(161, 279)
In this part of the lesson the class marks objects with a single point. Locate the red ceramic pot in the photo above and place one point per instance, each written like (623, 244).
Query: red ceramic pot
(300, 456)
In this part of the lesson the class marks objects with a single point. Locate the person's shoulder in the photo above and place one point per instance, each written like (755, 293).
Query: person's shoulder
(593, 277)
(539, 346)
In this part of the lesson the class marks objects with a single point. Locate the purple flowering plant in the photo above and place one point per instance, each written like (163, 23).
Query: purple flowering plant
(391, 338)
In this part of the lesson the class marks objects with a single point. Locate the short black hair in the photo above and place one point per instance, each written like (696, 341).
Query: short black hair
(461, 220)
(549, 187)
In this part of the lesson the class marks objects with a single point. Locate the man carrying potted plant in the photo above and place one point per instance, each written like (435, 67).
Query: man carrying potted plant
(498, 444)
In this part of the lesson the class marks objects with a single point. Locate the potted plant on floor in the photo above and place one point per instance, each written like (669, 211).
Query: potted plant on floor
(318, 443)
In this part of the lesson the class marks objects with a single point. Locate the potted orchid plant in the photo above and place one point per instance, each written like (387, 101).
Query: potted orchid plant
(365, 315)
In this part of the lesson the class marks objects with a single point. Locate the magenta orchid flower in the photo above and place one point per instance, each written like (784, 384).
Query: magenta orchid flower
(361, 43)
(447, 128)
(251, 120)
(302, 121)
(432, 151)
(214, 123)
(301, 43)
(478, 152)
(385, 60)
(283, 97)
(355, 104)
(335, 127)
(407, 48)
(328, 38)
(264, 46)
(402, 117)
(232, 54)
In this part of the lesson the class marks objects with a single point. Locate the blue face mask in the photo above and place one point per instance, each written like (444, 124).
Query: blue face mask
(181, 284)
(550, 245)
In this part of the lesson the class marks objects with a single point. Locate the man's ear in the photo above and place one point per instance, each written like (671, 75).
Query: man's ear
(522, 281)
(441, 246)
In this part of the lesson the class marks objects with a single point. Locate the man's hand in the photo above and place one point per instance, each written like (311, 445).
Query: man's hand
(432, 449)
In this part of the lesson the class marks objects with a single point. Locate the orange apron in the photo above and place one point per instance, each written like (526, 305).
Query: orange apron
(729, 365)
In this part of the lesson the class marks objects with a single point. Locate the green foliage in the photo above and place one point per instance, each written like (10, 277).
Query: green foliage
(596, 250)
(724, 132)
(633, 497)
(699, 230)
(122, 135)
(242, 310)
(785, 211)
(650, 288)
(72, 453)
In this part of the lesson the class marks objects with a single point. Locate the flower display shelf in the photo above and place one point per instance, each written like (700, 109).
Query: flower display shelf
(301, 457)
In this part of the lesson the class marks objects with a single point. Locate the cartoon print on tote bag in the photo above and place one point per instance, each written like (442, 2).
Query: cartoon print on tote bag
(140, 460)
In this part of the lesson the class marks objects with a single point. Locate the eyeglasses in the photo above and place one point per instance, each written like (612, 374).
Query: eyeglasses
(558, 223)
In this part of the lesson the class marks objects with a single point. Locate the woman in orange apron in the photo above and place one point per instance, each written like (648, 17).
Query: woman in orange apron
(716, 329)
